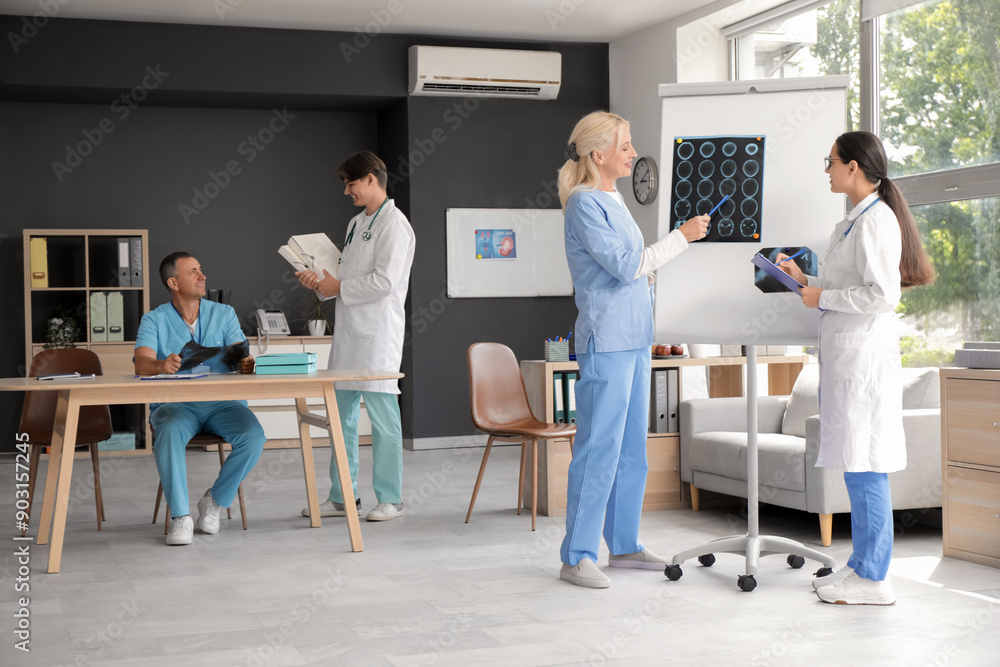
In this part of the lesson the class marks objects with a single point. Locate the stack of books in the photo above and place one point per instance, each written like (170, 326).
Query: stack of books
(297, 363)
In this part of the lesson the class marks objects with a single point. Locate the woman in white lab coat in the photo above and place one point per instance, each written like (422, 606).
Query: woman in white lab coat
(373, 277)
(873, 254)
(612, 277)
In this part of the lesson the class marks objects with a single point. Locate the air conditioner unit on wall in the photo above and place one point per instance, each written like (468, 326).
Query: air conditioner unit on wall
(461, 72)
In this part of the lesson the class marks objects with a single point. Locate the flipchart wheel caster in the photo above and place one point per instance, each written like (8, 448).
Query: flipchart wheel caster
(672, 572)
(746, 582)
(708, 560)
(796, 562)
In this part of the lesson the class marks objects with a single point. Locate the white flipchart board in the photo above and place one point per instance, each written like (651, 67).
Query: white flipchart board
(707, 294)
(540, 268)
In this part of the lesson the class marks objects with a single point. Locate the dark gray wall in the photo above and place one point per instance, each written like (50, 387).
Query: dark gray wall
(222, 86)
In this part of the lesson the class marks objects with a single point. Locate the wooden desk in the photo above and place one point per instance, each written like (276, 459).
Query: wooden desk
(119, 390)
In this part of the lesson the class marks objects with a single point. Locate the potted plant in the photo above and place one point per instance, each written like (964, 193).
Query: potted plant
(315, 316)
(62, 329)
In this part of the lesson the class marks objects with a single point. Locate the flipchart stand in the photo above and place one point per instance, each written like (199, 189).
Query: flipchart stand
(753, 544)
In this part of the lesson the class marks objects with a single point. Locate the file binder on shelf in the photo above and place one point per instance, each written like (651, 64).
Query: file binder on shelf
(124, 271)
(673, 394)
(116, 317)
(135, 261)
(658, 403)
(569, 386)
(99, 317)
(557, 398)
(39, 262)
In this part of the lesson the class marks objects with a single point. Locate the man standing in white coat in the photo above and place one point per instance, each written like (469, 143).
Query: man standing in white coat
(368, 331)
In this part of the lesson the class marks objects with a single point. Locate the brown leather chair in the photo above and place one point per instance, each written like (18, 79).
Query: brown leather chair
(500, 408)
(201, 440)
(39, 412)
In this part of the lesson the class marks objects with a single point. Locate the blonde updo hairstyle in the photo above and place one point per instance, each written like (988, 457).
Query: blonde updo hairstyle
(597, 131)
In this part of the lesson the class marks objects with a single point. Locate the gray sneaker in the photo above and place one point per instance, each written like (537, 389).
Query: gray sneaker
(584, 573)
(330, 508)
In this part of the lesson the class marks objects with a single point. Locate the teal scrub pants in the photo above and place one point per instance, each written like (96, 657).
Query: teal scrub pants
(176, 423)
(387, 443)
(607, 476)
(871, 523)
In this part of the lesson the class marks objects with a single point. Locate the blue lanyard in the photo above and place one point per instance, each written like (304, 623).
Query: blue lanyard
(368, 232)
(186, 324)
(877, 200)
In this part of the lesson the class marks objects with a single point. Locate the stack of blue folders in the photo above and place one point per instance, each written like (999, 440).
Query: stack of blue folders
(287, 362)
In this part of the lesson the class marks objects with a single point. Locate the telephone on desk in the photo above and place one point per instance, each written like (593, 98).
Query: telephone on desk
(272, 322)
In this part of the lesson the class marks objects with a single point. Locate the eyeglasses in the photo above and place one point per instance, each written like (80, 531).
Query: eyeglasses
(828, 162)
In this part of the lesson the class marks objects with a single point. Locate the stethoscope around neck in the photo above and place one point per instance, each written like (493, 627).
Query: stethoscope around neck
(367, 234)
(844, 236)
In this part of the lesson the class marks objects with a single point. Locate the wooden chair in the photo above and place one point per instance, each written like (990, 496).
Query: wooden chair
(200, 440)
(500, 408)
(39, 412)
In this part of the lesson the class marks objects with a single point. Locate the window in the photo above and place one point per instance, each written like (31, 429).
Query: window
(939, 75)
(930, 75)
(791, 41)
(963, 240)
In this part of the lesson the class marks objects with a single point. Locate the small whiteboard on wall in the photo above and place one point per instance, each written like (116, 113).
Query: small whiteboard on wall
(502, 252)
(707, 293)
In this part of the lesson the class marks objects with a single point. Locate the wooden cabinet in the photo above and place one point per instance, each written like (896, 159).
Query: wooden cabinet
(664, 489)
(64, 269)
(970, 450)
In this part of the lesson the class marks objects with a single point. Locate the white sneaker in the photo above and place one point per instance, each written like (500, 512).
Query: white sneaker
(208, 513)
(643, 560)
(858, 590)
(584, 573)
(330, 508)
(834, 578)
(181, 531)
(386, 512)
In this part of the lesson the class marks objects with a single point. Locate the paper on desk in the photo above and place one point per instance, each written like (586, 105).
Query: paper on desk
(67, 376)
(164, 376)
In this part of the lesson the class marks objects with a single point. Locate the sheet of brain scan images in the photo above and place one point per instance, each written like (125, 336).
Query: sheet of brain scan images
(724, 174)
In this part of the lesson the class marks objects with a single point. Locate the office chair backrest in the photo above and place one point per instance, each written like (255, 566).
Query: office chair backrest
(40, 406)
(496, 389)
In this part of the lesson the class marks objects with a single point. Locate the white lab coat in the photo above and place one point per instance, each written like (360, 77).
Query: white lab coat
(861, 423)
(370, 319)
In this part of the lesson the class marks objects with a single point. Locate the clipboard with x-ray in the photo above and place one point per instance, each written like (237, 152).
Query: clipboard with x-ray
(772, 269)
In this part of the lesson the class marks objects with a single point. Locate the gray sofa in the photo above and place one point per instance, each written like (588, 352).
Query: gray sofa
(713, 443)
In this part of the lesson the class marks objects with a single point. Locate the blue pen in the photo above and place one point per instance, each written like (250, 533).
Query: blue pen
(781, 261)
(570, 335)
(719, 204)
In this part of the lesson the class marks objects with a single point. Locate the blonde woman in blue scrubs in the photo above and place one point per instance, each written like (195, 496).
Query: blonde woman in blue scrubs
(612, 277)
(874, 253)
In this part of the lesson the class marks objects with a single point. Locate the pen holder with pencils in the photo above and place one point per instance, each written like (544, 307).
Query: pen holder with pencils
(556, 350)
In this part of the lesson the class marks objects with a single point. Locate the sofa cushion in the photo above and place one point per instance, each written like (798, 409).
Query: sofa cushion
(803, 403)
(780, 458)
(921, 388)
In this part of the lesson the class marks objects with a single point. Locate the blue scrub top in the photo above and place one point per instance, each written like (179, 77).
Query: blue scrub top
(604, 250)
(165, 332)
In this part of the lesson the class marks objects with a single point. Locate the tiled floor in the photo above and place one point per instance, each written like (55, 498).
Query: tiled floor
(432, 590)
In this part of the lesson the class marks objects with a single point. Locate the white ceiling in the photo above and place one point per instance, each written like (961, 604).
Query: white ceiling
(543, 20)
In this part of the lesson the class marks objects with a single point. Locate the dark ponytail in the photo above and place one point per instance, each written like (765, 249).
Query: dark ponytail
(866, 149)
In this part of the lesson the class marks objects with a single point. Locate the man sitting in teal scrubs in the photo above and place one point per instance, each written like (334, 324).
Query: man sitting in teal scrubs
(162, 333)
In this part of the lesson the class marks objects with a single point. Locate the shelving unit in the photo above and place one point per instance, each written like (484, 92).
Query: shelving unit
(664, 489)
(970, 454)
(80, 263)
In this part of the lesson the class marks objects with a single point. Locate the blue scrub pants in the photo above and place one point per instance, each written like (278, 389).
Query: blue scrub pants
(871, 523)
(176, 423)
(607, 476)
(387, 443)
